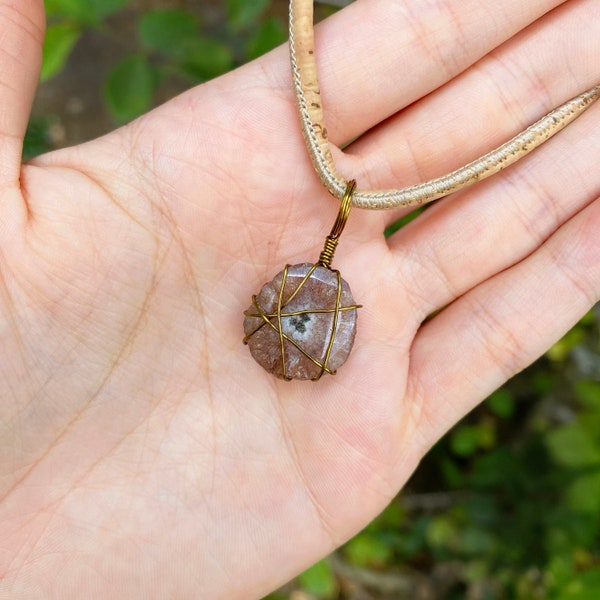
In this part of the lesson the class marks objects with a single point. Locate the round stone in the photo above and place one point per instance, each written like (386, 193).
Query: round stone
(297, 340)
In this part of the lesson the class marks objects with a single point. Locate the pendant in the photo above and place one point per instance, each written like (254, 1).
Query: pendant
(302, 323)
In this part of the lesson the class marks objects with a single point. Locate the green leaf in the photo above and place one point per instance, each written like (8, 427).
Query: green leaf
(567, 528)
(583, 494)
(588, 393)
(243, 14)
(464, 440)
(268, 36)
(130, 87)
(560, 570)
(572, 446)
(583, 587)
(487, 434)
(88, 12)
(319, 580)
(493, 469)
(206, 58)
(36, 138)
(63, 8)
(368, 551)
(442, 532)
(502, 403)
(59, 42)
(101, 9)
(168, 31)
(453, 475)
(589, 318)
(476, 571)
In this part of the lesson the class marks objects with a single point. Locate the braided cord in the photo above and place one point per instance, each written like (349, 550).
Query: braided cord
(310, 108)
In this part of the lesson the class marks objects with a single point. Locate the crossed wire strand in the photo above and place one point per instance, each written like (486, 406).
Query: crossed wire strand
(268, 318)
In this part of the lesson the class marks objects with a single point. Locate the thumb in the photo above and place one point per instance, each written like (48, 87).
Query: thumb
(22, 24)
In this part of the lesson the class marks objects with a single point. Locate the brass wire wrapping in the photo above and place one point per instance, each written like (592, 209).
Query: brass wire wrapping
(274, 319)
(333, 238)
(326, 257)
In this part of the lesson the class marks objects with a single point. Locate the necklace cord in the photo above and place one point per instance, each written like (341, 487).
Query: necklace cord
(312, 120)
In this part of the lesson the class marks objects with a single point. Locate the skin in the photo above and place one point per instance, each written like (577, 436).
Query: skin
(314, 128)
(143, 454)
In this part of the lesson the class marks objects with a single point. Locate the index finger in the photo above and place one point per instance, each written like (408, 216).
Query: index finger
(21, 38)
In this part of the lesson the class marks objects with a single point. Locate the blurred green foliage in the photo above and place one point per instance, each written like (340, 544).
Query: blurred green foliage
(507, 505)
(171, 42)
(67, 19)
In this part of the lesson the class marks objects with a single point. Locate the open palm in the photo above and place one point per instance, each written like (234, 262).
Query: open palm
(143, 453)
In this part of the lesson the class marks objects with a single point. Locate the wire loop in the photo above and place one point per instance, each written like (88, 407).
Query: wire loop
(333, 238)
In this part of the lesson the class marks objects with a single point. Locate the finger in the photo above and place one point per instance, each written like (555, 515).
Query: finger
(500, 327)
(377, 57)
(552, 61)
(469, 238)
(21, 39)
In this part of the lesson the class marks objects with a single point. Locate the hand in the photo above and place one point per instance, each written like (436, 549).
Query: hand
(143, 453)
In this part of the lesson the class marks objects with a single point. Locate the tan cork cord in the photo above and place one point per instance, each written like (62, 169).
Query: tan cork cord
(306, 86)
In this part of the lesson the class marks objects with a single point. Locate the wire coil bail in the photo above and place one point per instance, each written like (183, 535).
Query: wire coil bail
(332, 240)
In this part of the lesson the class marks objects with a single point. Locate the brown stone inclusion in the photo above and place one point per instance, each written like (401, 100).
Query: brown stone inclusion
(302, 324)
